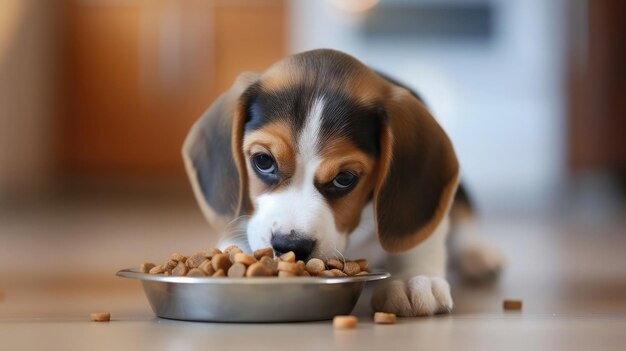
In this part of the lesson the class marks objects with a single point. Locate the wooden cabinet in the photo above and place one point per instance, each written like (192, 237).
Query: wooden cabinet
(137, 74)
(597, 87)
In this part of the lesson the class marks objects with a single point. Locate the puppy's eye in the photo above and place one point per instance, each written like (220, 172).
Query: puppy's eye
(264, 163)
(344, 180)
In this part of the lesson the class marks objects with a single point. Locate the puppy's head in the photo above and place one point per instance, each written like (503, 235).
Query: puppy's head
(303, 147)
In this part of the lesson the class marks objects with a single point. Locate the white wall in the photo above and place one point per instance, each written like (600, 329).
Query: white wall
(501, 101)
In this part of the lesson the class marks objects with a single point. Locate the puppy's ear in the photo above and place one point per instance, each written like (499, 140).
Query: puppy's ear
(217, 176)
(418, 174)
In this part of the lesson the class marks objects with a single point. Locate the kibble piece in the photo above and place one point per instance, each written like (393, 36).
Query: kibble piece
(169, 265)
(275, 264)
(244, 258)
(237, 270)
(146, 267)
(315, 266)
(167, 273)
(258, 269)
(301, 265)
(363, 264)
(177, 257)
(195, 260)
(196, 272)
(333, 263)
(207, 268)
(221, 261)
(384, 318)
(267, 262)
(305, 273)
(287, 267)
(288, 257)
(219, 273)
(157, 270)
(362, 273)
(351, 268)
(345, 322)
(232, 251)
(263, 253)
(180, 269)
(100, 316)
(338, 273)
(212, 252)
(327, 274)
(230, 248)
(512, 305)
(284, 274)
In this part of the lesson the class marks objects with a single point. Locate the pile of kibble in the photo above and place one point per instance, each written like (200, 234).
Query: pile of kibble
(233, 262)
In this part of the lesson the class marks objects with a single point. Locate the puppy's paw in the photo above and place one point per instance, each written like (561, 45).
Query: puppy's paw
(480, 263)
(419, 296)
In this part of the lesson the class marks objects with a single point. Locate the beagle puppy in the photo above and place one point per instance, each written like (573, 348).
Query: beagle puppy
(325, 157)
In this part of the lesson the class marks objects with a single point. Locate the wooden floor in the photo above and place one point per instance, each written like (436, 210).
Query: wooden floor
(57, 264)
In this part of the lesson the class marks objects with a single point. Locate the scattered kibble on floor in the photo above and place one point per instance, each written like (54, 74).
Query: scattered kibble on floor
(100, 316)
(384, 318)
(345, 322)
(512, 305)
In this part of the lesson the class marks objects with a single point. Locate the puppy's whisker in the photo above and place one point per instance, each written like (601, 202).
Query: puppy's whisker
(237, 230)
(236, 234)
(235, 221)
(339, 252)
(234, 237)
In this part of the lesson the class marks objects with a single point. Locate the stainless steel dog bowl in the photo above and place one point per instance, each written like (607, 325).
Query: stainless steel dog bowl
(267, 299)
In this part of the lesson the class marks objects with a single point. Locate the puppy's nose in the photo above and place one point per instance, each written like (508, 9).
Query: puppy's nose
(301, 244)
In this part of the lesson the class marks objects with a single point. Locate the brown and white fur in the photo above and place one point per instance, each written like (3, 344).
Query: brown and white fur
(325, 157)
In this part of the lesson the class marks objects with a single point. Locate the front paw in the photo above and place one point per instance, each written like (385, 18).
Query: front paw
(419, 296)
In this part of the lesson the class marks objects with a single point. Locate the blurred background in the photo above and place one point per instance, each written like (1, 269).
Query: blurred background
(96, 97)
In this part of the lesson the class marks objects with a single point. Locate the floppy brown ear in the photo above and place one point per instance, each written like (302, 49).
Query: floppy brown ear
(214, 169)
(419, 174)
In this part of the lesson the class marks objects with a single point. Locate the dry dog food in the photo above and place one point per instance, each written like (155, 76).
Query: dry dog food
(315, 266)
(235, 263)
(100, 316)
(266, 252)
(512, 305)
(334, 264)
(384, 318)
(195, 260)
(345, 322)
(195, 272)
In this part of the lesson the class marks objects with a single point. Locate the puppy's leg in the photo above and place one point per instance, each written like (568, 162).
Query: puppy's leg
(475, 259)
(418, 286)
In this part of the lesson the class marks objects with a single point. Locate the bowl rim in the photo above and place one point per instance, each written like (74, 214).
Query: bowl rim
(134, 273)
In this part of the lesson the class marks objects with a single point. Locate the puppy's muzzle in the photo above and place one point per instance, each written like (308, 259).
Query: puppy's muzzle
(301, 244)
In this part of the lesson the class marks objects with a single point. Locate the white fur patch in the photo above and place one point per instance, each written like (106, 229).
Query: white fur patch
(308, 141)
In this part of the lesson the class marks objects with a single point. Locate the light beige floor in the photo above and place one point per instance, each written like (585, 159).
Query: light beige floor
(57, 264)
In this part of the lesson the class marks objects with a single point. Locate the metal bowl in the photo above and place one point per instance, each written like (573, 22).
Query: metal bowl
(261, 299)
